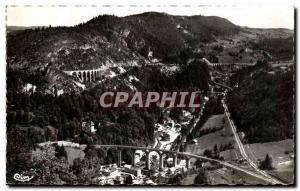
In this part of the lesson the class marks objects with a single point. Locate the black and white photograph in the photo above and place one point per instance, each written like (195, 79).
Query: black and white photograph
(160, 95)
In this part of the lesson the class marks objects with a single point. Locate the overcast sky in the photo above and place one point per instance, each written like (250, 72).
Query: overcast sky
(251, 16)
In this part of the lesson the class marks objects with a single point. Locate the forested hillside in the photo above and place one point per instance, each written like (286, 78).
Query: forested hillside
(262, 105)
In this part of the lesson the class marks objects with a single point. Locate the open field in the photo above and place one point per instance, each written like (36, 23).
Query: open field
(220, 137)
(286, 175)
(231, 177)
(230, 155)
(281, 152)
(282, 156)
(189, 180)
(224, 176)
(213, 122)
(209, 141)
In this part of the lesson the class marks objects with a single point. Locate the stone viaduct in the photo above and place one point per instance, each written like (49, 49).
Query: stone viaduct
(175, 155)
(162, 153)
(86, 75)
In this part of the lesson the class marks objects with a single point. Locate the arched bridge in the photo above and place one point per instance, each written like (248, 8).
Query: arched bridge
(175, 154)
(86, 75)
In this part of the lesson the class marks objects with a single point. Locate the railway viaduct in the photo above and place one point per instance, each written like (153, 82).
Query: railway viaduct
(175, 154)
(162, 153)
(86, 75)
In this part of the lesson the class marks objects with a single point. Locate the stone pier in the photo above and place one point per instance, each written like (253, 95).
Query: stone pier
(119, 158)
(161, 161)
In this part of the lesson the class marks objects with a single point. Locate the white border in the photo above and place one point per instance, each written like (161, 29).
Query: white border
(111, 2)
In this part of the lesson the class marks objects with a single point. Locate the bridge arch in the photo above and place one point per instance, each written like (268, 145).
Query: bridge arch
(95, 75)
(133, 156)
(150, 158)
(74, 74)
(174, 158)
(88, 77)
(84, 76)
(79, 75)
(92, 76)
(190, 161)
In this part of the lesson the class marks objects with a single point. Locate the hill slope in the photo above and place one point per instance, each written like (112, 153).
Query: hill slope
(109, 39)
(262, 105)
